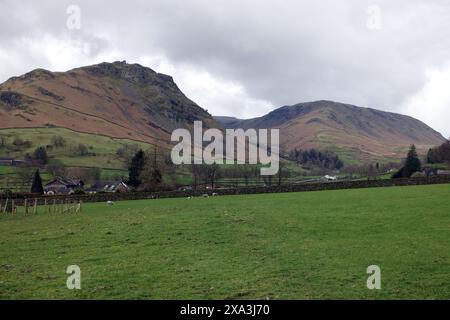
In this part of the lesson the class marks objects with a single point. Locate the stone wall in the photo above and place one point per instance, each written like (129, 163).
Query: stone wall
(103, 197)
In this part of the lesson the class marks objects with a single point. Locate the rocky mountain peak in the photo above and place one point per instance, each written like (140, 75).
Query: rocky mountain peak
(132, 72)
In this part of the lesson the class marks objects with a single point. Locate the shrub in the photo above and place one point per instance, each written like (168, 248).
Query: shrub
(20, 143)
(58, 141)
(41, 155)
(82, 150)
(78, 192)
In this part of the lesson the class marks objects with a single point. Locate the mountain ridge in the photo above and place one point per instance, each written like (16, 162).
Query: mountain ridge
(130, 101)
(366, 134)
(120, 99)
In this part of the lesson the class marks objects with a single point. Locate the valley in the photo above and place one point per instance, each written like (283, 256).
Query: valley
(104, 113)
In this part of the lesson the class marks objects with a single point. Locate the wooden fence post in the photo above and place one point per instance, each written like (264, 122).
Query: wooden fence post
(35, 206)
(26, 206)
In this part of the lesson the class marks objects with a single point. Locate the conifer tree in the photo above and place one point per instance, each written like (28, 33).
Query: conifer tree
(37, 187)
(135, 169)
(412, 163)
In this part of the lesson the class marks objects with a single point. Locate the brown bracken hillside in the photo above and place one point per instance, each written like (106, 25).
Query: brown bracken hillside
(115, 99)
(355, 133)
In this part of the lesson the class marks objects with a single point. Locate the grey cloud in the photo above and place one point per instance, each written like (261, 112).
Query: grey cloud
(282, 52)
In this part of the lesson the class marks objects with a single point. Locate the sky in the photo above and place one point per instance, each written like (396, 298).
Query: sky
(244, 58)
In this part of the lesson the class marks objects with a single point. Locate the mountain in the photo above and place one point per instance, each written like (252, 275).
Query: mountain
(129, 101)
(356, 134)
(117, 99)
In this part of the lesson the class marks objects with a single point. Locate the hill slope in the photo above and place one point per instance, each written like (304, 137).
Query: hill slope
(129, 101)
(355, 133)
(117, 99)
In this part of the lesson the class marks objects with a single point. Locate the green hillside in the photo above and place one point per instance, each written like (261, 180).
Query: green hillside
(101, 150)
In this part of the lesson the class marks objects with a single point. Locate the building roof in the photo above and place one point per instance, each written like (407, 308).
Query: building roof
(67, 182)
(104, 185)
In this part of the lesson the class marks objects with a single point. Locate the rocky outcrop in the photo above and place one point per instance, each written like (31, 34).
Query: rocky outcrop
(11, 99)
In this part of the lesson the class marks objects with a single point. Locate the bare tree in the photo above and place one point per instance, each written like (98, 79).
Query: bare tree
(127, 152)
(282, 172)
(208, 173)
(87, 175)
(246, 171)
(56, 168)
(26, 174)
(213, 174)
(256, 172)
(154, 169)
(371, 172)
(3, 141)
(58, 141)
(195, 171)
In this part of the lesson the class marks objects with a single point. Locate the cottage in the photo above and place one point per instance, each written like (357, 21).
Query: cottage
(330, 178)
(63, 186)
(108, 186)
(429, 171)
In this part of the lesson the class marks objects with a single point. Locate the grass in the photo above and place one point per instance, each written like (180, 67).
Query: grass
(314, 245)
(7, 170)
(104, 147)
(10, 179)
(111, 174)
(102, 151)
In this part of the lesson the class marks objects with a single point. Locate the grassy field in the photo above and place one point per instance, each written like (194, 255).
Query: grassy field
(278, 246)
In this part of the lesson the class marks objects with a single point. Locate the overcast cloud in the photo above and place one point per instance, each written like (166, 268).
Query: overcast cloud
(244, 58)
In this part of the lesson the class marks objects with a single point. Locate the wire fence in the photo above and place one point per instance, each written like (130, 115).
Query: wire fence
(40, 205)
(8, 182)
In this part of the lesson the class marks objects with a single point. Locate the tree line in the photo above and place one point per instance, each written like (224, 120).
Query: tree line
(147, 170)
(317, 158)
(439, 154)
(411, 165)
